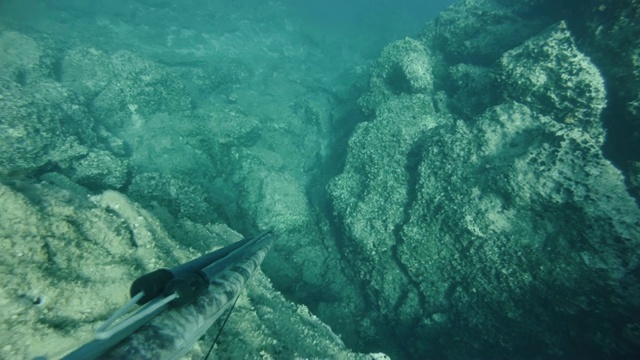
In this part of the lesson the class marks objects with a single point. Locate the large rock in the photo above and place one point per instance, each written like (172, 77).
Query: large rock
(42, 127)
(532, 72)
(610, 39)
(305, 264)
(67, 260)
(123, 88)
(478, 32)
(179, 197)
(45, 126)
(481, 232)
(42, 123)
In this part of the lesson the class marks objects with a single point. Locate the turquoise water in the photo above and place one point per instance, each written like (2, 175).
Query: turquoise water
(448, 180)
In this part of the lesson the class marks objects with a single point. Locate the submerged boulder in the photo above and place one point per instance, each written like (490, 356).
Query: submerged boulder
(482, 235)
(68, 260)
(45, 126)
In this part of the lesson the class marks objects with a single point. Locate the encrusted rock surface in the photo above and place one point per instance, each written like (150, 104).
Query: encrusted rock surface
(495, 228)
(69, 259)
(44, 126)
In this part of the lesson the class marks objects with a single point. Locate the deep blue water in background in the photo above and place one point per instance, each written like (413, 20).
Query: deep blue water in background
(378, 21)
(364, 11)
(364, 27)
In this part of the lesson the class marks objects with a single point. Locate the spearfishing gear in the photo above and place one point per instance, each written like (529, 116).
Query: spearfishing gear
(177, 305)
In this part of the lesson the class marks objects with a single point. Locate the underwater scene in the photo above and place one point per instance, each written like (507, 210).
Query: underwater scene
(424, 179)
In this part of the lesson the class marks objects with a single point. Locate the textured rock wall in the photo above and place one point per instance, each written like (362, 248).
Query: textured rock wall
(607, 31)
(68, 258)
(611, 39)
(479, 213)
(44, 126)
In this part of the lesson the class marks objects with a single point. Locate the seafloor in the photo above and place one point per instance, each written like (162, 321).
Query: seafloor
(470, 191)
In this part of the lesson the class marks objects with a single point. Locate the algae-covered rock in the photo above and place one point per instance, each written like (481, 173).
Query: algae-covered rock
(46, 126)
(467, 89)
(41, 126)
(520, 221)
(482, 236)
(531, 73)
(22, 60)
(305, 264)
(68, 260)
(610, 40)
(375, 186)
(123, 88)
(100, 169)
(478, 32)
(41, 122)
(181, 198)
(404, 67)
